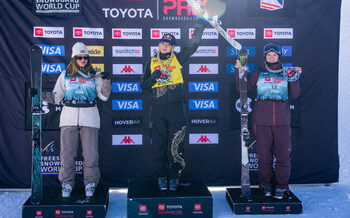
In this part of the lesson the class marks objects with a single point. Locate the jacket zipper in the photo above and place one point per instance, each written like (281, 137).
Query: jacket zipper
(273, 114)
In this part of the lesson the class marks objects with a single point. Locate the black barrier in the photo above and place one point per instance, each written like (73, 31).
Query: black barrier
(123, 35)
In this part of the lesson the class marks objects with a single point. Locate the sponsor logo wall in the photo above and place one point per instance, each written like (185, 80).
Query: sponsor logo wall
(122, 36)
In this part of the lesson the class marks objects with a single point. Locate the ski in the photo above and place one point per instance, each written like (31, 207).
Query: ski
(36, 71)
(245, 179)
(214, 21)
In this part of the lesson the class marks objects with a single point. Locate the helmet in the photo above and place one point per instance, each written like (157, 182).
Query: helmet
(79, 48)
(273, 47)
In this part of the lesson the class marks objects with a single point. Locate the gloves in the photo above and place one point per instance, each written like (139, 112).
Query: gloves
(105, 75)
(155, 75)
(32, 92)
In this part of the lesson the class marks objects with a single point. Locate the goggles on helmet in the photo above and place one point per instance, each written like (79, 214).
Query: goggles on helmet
(273, 47)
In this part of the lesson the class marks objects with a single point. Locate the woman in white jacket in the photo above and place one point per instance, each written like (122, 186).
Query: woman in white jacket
(79, 86)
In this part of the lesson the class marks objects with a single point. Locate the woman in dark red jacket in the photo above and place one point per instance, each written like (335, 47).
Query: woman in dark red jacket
(271, 119)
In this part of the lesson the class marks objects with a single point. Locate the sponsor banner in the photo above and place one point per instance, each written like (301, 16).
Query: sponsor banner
(53, 67)
(271, 8)
(207, 51)
(271, 5)
(118, 33)
(127, 69)
(127, 51)
(52, 50)
(54, 8)
(204, 138)
(129, 13)
(278, 33)
(242, 33)
(203, 121)
(203, 87)
(231, 68)
(88, 33)
(48, 32)
(127, 104)
(96, 51)
(99, 67)
(203, 104)
(122, 122)
(132, 139)
(154, 50)
(158, 33)
(207, 33)
(232, 52)
(126, 87)
(204, 68)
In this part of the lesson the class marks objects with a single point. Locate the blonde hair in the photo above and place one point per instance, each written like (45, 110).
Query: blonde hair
(73, 67)
(171, 56)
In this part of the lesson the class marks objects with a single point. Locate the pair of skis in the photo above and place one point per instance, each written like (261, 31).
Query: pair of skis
(197, 6)
(36, 72)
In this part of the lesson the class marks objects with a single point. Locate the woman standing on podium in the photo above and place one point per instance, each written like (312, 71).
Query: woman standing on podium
(79, 86)
(271, 119)
(163, 76)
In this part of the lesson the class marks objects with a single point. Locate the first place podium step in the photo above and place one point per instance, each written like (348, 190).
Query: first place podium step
(192, 199)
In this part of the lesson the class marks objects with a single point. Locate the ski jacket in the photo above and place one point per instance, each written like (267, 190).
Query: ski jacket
(172, 92)
(76, 115)
(270, 111)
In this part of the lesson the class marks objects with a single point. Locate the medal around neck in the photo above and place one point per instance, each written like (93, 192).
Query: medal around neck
(164, 77)
(290, 74)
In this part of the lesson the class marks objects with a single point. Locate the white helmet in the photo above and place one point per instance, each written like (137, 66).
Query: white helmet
(79, 48)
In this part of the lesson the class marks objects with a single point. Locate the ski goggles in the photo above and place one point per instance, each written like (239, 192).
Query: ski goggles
(273, 47)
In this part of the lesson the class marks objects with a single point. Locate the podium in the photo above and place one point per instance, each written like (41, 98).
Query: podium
(77, 205)
(192, 198)
(259, 204)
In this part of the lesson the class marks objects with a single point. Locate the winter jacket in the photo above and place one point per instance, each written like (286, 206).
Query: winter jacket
(172, 92)
(270, 112)
(78, 116)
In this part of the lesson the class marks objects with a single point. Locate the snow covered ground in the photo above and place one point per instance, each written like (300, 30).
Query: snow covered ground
(318, 200)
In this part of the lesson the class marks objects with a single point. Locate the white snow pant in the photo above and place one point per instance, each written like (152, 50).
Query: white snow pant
(69, 146)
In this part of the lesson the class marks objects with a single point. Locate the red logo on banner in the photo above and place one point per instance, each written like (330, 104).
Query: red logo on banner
(39, 31)
(288, 208)
(203, 69)
(263, 207)
(137, 51)
(267, 78)
(57, 212)
(127, 69)
(203, 139)
(155, 33)
(78, 32)
(89, 213)
(117, 33)
(161, 206)
(38, 213)
(232, 33)
(127, 140)
(247, 208)
(73, 79)
(143, 208)
(197, 207)
(268, 33)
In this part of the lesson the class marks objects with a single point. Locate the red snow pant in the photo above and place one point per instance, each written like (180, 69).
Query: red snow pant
(274, 140)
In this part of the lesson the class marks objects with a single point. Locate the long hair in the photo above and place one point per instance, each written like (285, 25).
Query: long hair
(73, 67)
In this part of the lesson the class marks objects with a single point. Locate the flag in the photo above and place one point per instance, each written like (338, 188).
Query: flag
(271, 5)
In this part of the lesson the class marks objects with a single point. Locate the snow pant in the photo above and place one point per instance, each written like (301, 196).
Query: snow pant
(168, 130)
(274, 140)
(69, 147)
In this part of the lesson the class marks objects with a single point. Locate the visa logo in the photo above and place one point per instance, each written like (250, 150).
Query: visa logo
(203, 87)
(231, 68)
(203, 104)
(52, 50)
(127, 104)
(232, 52)
(52, 67)
(124, 87)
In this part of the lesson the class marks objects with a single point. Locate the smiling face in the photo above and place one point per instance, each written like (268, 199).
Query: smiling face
(165, 47)
(82, 60)
(272, 57)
